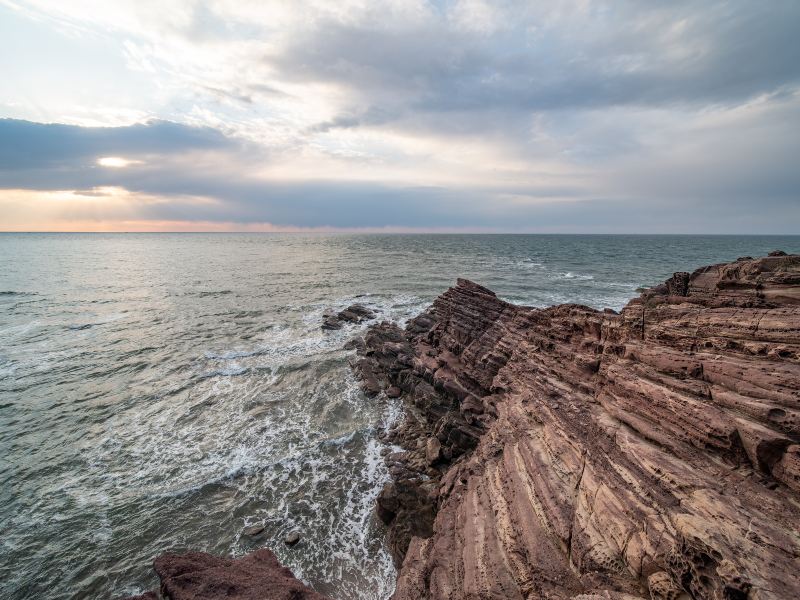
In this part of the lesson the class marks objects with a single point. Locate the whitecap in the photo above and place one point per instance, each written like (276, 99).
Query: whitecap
(227, 372)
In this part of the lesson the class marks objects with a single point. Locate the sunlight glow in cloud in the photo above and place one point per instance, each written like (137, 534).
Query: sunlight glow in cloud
(116, 162)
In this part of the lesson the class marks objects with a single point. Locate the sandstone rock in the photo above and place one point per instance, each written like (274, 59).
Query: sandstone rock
(662, 586)
(585, 454)
(201, 576)
(433, 450)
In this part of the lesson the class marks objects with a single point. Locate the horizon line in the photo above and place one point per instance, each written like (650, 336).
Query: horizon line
(382, 232)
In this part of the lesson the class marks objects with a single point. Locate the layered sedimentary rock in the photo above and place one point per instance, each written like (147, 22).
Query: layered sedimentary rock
(201, 576)
(572, 453)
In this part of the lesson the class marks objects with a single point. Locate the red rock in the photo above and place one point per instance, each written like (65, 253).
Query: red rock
(585, 454)
(433, 450)
(201, 576)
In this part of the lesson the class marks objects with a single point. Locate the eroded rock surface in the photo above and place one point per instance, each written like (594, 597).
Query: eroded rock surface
(201, 576)
(573, 453)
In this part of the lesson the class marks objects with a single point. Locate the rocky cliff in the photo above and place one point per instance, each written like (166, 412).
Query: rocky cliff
(571, 453)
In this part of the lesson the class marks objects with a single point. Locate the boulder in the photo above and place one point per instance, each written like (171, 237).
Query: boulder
(201, 576)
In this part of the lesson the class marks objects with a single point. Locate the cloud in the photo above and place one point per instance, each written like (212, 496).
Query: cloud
(593, 115)
(28, 145)
(541, 59)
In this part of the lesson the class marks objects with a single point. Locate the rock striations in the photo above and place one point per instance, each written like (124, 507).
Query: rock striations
(572, 453)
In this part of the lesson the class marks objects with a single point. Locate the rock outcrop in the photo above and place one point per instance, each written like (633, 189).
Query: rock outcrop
(355, 313)
(201, 576)
(573, 453)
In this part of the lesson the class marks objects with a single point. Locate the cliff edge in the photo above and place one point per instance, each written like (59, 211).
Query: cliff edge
(573, 453)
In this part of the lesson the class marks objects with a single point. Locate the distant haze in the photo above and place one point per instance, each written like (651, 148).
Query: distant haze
(463, 115)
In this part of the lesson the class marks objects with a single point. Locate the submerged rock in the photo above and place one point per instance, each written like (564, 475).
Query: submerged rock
(253, 530)
(574, 453)
(291, 539)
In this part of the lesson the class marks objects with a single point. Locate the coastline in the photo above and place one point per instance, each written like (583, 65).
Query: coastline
(573, 453)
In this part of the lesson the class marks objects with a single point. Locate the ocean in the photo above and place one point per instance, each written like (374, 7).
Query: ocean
(161, 392)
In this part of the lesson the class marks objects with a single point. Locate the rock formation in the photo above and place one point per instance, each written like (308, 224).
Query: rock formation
(355, 313)
(572, 453)
(201, 576)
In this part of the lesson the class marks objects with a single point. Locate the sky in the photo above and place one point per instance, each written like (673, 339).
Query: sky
(619, 116)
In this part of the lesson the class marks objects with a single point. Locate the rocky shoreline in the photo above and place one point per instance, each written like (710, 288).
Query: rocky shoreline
(573, 453)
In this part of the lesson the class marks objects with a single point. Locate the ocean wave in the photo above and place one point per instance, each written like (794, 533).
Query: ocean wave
(226, 372)
(578, 276)
(233, 354)
(342, 439)
(212, 293)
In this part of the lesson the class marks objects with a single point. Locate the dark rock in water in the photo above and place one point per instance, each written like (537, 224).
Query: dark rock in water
(291, 539)
(369, 380)
(355, 313)
(575, 453)
(394, 392)
(201, 576)
(331, 321)
(253, 530)
(354, 344)
(777, 253)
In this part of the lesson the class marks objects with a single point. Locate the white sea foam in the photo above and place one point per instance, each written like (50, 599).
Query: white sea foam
(210, 440)
(231, 371)
(571, 275)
